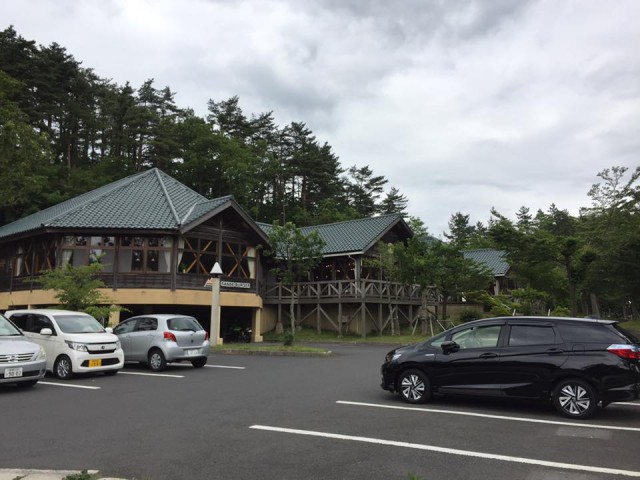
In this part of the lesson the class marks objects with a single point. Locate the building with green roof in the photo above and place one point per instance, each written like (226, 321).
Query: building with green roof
(158, 241)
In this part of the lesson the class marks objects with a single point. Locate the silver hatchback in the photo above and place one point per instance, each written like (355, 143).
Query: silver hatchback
(163, 338)
(21, 362)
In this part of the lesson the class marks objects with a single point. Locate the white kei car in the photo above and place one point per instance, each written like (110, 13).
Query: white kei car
(75, 342)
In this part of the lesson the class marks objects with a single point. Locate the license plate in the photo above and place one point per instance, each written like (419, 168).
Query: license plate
(12, 372)
(192, 352)
(95, 363)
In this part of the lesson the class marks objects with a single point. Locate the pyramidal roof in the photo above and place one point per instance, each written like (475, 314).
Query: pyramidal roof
(352, 236)
(148, 200)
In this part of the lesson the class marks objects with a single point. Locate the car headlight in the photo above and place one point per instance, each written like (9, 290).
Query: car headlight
(81, 347)
(42, 355)
(392, 357)
(118, 345)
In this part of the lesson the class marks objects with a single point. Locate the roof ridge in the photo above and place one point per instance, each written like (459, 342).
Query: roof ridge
(166, 195)
(362, 219)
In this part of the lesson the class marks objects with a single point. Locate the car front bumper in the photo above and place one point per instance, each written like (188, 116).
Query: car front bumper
(28, 371)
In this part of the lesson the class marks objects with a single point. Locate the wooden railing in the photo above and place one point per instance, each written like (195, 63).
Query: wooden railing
(348, 290)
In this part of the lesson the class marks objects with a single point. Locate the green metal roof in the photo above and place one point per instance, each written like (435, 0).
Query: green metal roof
(353, 236)
(494, 260)
(150, 200)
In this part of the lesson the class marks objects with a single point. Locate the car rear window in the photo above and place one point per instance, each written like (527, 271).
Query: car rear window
(184, 324)
(627, 334)
(588, 333)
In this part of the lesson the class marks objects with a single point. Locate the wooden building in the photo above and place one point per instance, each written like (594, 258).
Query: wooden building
(158, 240)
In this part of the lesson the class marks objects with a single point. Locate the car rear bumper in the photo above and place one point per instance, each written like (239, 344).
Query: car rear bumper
(175, 353)
(622, 394)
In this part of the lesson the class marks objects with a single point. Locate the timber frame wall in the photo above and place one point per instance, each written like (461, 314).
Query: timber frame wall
(357, 306)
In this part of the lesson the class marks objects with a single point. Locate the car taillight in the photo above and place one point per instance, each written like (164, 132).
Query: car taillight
(630, 352)
(169, 337)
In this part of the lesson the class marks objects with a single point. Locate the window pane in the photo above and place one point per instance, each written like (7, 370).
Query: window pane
(531, 335)
(152, 260)
(478, 337)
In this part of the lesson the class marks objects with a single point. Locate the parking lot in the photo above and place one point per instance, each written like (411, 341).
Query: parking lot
(290, 417)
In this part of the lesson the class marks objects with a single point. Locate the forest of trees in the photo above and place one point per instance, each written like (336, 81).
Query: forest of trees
(64, 131)
(77, 131)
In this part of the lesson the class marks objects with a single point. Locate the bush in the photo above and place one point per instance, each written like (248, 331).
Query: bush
(561, 312)
(287, 339)
(469, 314)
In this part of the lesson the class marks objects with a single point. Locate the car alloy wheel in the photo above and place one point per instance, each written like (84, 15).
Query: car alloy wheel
(575, 398)
(62, 368)
(157, 362)
(414, 386)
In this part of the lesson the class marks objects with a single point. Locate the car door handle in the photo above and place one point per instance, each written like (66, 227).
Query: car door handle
(489, 355)
(555, 350)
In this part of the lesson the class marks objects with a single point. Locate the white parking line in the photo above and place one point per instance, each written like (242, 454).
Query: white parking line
(68, 385)
(225, 366)
(484, 415)
(632, 404)
(453, 451)
(151, 374)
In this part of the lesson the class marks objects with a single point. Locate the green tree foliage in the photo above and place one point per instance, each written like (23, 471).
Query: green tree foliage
(294, 255)
(432, 263)
(77, 289)
(94, 131)
(25, 170)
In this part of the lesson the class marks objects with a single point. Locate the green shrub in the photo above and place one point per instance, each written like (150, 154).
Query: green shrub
(287, 338)
(469, 314)
(561, 312)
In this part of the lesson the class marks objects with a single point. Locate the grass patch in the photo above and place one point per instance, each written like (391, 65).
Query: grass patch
(310, 335)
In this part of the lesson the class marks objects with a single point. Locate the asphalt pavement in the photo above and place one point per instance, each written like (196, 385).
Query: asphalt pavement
(13, 474)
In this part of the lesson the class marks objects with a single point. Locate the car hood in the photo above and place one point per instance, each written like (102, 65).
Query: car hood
(16, 345)
(104, 337)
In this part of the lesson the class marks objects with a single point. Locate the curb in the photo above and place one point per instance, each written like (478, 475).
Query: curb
(270, 353)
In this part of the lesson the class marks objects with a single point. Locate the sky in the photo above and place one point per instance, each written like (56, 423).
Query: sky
(462, 105)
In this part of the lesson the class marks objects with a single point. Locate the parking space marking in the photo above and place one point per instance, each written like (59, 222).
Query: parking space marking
(151, 374)
(633, 404)
(485, 415)
(68, 385)
(225, 366)
(452, 451)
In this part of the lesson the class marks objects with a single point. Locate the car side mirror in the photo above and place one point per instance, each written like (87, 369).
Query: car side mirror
(109, 330)
(449, 347)
(46, 331)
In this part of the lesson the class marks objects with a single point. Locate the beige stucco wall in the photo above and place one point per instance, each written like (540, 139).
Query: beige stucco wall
(135, 296)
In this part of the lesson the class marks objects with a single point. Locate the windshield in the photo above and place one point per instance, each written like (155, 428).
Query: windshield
(8, 329)
(183, 324)
(78, 324)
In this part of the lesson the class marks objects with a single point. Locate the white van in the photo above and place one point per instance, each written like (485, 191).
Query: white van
(75, 342)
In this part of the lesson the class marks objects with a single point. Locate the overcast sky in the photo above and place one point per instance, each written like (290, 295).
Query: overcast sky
(461, 105)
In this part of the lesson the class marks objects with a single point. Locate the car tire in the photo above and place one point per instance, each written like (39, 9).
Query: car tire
(199, 362)
(110, 373)
(28, 384)
(575, 398)
(414, 386)
(62, 368)
(156, 360)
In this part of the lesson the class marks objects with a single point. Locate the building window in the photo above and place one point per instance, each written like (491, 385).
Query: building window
(79, 250)
(238, 261)
(145, 254)
(196, 255)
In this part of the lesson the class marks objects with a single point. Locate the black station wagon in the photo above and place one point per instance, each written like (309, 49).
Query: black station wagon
(575, 363)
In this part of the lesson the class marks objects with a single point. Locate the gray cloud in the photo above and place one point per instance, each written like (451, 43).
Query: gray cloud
(462, 105)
